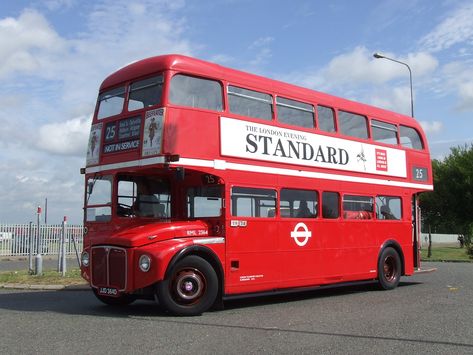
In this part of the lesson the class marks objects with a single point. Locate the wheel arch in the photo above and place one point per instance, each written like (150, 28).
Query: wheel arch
(395, 245)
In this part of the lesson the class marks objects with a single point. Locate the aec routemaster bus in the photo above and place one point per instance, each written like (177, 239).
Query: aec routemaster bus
(204, 183)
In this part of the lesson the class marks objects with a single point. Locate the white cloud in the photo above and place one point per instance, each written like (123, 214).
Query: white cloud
(358, 67)
(357, 75)
(457, 77)
(465, 93)
(262, 47)
(54, 5)
(421, 63)
(26, 43)
(49, 88)
(397, 99)
(456, 28)
(431, 126)
(222, 59)
(65, 138)
(261, 42)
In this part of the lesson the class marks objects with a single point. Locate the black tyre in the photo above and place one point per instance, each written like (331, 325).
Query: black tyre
(389, 269)
(190, 289)
(122, 300)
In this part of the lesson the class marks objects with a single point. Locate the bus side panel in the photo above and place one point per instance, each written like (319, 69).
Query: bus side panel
(359, 249)
(302, 252)
(401, 233)
(253, 262)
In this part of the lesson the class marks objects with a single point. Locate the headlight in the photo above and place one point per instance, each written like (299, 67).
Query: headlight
(144, 263)
(84, 259)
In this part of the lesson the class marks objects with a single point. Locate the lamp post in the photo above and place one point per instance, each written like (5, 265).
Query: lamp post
(380, 56)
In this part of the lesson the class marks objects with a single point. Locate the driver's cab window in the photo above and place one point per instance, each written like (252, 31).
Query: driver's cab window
(143, 197)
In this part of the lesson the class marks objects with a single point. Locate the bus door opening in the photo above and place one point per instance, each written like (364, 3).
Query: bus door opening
(416, 230)
(205, 201)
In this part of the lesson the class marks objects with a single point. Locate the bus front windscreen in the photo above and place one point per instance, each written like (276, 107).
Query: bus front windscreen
(99, 199)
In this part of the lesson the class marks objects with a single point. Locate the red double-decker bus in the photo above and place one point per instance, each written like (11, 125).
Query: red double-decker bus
(204, 183)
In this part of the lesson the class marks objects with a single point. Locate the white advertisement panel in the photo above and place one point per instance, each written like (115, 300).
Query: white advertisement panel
(93, 148)
(153, 132)
(263, 142)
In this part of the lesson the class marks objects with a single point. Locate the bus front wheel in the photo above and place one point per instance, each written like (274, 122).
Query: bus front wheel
(389, 269)
(190, 289)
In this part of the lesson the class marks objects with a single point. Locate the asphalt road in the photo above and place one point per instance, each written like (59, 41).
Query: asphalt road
(427, 314)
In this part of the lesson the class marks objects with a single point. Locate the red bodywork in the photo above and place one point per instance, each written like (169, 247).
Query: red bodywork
(253, 254)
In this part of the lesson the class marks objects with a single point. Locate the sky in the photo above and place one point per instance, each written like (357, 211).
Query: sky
(55, 53)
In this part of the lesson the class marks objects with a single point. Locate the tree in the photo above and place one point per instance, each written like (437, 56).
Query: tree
(449, 208)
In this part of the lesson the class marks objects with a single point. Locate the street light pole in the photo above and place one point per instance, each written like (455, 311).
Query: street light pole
(380, 56)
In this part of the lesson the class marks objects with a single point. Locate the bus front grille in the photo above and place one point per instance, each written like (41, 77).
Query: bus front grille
(108, 267)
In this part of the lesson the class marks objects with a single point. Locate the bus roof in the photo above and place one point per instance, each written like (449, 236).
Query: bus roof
(199, 67)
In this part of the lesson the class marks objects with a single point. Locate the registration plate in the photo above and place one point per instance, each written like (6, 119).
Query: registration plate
(108, 291)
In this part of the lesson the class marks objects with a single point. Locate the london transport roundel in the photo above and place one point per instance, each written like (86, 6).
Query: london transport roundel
(301, 234)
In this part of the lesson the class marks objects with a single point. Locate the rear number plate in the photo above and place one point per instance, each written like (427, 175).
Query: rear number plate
(108, 291)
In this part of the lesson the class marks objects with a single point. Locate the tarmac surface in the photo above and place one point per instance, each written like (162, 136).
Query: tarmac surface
(427, 314)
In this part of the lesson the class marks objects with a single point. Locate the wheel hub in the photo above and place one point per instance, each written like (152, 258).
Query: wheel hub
(389, 268)
(189, 285)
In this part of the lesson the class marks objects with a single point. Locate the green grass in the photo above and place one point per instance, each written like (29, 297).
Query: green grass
(48, 278)
(446, 254)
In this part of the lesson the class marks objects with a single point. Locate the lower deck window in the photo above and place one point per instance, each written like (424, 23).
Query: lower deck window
(388, 208)
(251, 202)
(204, 201)
(330, 205)
(357, 207)
(298, 203)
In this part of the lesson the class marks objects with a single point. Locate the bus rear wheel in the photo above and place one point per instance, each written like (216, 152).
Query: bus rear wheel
(190, 289)
(389, 269)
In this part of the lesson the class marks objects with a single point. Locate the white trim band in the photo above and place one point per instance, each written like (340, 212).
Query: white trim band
(216, 240)
(128, 164)
(223, 165)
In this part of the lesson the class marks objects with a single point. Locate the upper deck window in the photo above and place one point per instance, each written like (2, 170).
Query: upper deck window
(295, 113)
(326, 119)
(145, 93)
(410, 138)
(384, 132)
(250, 103)
(111, 102)
(196, 92)
(352, 124)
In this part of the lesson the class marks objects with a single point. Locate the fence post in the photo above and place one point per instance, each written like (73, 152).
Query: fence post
(429, 249)
(63, 247)
(38, 258)
(30, 248)
(75, 246)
